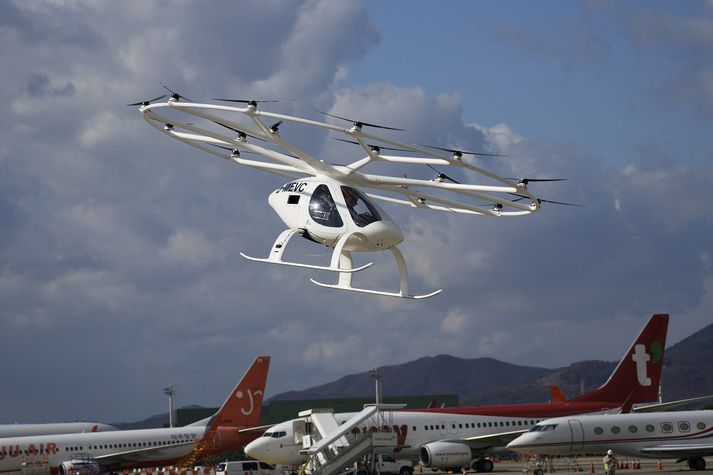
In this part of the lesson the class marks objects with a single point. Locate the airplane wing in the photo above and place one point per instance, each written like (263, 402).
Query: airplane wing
(682, 451)
(144, 454)
(483, 442)
(255, 429)
(664, 406)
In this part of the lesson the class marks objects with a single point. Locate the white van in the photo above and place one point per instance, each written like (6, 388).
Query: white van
(247, 467)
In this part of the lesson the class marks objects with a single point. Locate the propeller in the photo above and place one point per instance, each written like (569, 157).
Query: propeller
(236, 152)
(275, 128)
(145, 103)
(174, 95)
(375, 148)
(525, 181)
(241, 135)
(441, 176)
(359, 124)
(252, 103)
(460, 153)
(523, 197)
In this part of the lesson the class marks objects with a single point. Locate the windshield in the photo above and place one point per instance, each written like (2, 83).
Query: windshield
(322, 208)
(360, 208)
(543, 428)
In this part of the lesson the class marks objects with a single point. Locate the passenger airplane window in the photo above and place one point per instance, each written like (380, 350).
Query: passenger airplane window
(598, 430)
(633, 429)
(666, 427)
(684, 426)
(615, 429)
(701, 425)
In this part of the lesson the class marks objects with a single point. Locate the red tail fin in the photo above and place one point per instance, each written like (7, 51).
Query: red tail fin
(556, 394)
(639, 371)
(243, 406)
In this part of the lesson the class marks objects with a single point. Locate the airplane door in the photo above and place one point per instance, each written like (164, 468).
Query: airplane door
(577, 430)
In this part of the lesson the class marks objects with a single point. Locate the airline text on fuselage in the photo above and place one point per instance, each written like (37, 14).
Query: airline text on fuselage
(14, 451)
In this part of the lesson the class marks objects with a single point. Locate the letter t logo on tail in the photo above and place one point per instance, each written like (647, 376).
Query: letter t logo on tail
(641, 357)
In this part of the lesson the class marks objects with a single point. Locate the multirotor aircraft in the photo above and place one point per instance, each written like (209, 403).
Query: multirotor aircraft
(325, 203)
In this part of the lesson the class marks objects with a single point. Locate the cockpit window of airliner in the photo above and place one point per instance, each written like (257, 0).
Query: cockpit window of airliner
(322, 208)
(360, 208)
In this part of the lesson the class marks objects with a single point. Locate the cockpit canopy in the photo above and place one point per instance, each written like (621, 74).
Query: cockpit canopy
(361, 210)
(323, 209)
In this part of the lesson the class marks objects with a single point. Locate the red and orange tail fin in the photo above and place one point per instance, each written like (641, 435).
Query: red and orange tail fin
(557, 395)
(639, 371)
(243, 406)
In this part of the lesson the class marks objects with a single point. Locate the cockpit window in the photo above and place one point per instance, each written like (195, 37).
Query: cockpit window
(360, 208)
(267, 434)
(322, 208)
(543, 428)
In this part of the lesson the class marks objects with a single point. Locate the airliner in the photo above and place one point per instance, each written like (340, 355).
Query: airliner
(23, 430)
(463, 436)
(102, 452)
(683, 435)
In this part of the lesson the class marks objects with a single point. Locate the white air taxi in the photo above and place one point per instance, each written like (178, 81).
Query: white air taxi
(324, 202)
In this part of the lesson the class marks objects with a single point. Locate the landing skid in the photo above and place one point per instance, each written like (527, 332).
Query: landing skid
(345, 278)
(341, 262)
(278, 248)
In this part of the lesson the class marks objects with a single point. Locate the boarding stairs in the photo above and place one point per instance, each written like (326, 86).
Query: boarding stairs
(205, 449)
(331, 447)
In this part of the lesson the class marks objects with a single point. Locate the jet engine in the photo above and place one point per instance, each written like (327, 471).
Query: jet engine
(79, 467)
(445, 455)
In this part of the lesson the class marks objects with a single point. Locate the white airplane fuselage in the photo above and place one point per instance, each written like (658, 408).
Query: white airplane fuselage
(417, 428)
(25, 430)
(56, 449)
(675, 434)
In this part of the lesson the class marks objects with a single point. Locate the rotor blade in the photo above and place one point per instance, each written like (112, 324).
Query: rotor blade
(462, 152)
(359, 123)
(145, 103)
(442, 175)
(242, 101)
(373, 146)
(527, 180)
(237, 130)
(244, 151)
(174, 94)
(230, 149)
(546, 201)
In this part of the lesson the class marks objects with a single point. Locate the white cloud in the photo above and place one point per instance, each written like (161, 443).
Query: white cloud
(455, 322)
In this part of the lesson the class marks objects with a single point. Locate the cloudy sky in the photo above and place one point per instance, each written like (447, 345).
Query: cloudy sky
(120, 270)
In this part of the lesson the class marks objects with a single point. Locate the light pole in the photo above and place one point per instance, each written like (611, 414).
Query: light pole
(170, 391)
(376, 374)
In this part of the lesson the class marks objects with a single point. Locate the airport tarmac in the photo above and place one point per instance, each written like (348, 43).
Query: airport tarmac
(561, 466)
(584, 464)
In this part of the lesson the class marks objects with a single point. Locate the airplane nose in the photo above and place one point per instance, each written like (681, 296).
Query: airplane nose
(521, 443)
(255, 449)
